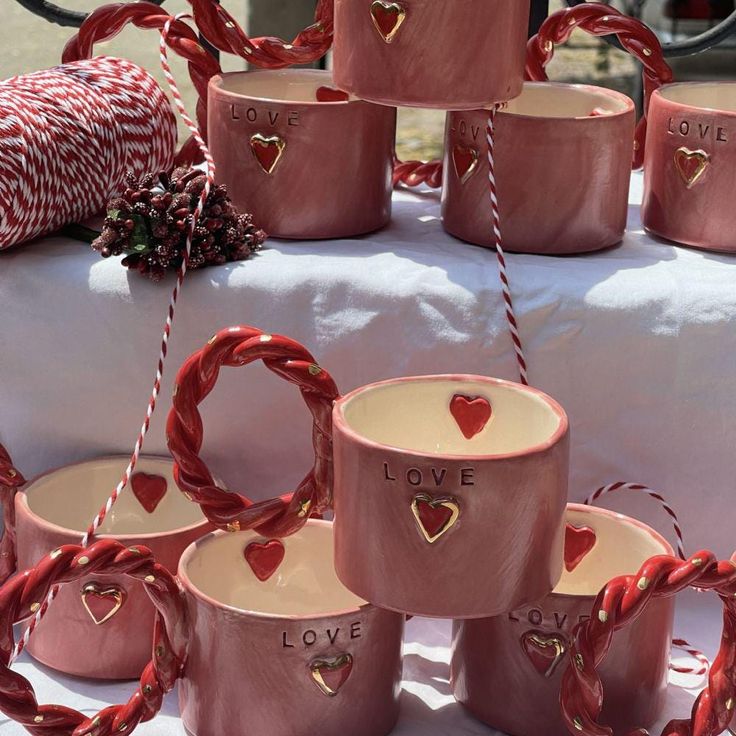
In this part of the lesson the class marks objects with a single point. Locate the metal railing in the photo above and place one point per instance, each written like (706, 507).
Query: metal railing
(539, 11)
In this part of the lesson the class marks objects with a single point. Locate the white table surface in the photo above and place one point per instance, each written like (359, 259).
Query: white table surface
(637, 343)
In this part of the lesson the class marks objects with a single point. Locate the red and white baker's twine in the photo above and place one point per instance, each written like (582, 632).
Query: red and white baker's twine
(496, 224)
(210, 174)
(680, 644)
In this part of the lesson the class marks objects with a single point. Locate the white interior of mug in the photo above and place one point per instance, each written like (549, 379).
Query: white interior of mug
(281, 85)
(303, 584)
(703, 95)
(621, 546)
(70, 498)
(415, 414)
(552, 100)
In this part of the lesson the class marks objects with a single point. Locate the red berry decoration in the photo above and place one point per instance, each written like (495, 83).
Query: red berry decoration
(150, 221)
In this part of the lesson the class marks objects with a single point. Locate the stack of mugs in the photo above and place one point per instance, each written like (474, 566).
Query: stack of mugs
(449, 496)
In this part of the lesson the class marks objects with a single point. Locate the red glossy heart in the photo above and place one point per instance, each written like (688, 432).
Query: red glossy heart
(465, 161)
(264, 558)
(148, 489)
(330, 94)
(691, 165)
(434, 516)
(331, 674)
(579, 541)
(471, 413)
(545, 651)
(387, 16)
(268, 150)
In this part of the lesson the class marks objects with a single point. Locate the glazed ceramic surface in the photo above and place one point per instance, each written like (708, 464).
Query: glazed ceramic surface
(292, 653)
(304, 168)
(507, 670)
(102, 613)
(562, 163)
(455, 55)
(449, 494)
(690, 165)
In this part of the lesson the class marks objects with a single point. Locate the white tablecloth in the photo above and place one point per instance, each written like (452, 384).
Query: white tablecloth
(637, 343)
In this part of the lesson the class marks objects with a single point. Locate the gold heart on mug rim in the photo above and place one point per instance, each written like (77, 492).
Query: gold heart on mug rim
(684, 157)
(268, 150)
(387, 18)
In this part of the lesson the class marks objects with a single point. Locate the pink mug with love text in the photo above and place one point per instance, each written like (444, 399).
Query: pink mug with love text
(101, 613)
(305, 158)
(690, 167)
(449, 494)
(507, 670)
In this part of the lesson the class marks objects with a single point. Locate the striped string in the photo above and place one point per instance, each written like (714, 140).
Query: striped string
(122, 485)
(681, 644)
(498, 240)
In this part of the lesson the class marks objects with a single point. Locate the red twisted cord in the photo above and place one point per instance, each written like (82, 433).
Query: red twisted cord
(601, 20)
(22, 595)
(619, 603)
(109, 20)
(11, 480)
(238, 346)
(598, 20)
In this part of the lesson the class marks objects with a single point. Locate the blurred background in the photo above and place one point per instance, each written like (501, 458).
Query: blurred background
(30, 43)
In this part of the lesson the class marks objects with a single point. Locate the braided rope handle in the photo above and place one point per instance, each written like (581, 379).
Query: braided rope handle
(239, 346)
(20, 597)
(219, 28)
(601, 20)
(598, 20)
(619, 603)
(11, 480)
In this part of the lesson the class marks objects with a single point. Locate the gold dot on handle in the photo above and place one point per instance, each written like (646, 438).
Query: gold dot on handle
(642, 583)
(83, 560)
(578, 723)
(38, 719)
(150, 579)
(35, 607)
(602, 616)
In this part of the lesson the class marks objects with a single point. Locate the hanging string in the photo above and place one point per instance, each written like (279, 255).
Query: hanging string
(151, 407)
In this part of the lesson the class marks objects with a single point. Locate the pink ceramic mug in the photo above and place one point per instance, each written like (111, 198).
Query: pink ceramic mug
(453, 55)
(278, 646)
(102, 612)
(507, 670)
(305, 159)
(438, 480)
(562, 168)
(450, 494)
(690, 163)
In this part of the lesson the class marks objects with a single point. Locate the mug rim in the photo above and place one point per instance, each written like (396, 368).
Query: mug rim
(215, 86)
(659, 94)
(630, 106)
(339, 420)
(22, 499)
(192, 589)
(630, 520)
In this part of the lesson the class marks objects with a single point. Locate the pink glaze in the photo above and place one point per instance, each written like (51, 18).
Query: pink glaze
(499, 495)
(330, 163)
(690, 163)
(250, 671)
(507, 670)
(453, 55)
(67, 639)
(562, 170)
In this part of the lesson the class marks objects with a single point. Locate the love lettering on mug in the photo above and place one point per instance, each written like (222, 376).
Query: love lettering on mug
(326, 636)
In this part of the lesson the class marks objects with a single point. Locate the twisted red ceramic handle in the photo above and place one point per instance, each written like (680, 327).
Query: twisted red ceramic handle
(11, 480)
(238, 346)
(618, 604)
(602, 20)
(24, 595)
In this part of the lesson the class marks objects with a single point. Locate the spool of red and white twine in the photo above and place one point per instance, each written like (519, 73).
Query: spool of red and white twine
(69, 134)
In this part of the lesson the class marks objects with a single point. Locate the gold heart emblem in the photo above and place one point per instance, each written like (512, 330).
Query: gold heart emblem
(102, 602)
(544, 652)
(434, 516)
(331, 673)
(268, 150)
(691, 165)
(387, 18)
(465, 161)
